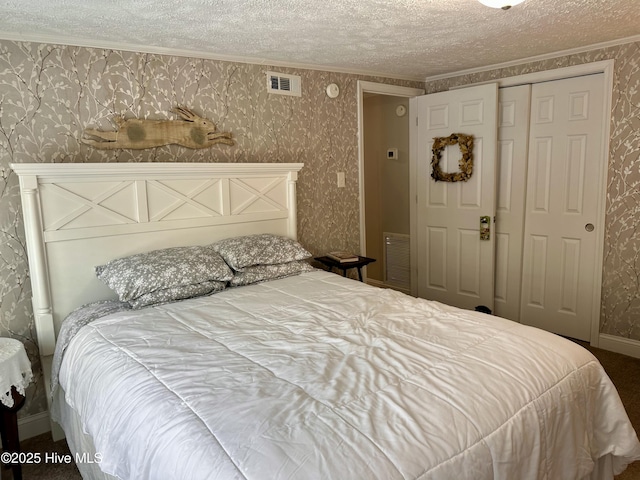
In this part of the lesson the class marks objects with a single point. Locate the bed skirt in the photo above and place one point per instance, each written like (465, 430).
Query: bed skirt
(80, 444)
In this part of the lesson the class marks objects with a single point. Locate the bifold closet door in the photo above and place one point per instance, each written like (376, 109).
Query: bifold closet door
(562, 200)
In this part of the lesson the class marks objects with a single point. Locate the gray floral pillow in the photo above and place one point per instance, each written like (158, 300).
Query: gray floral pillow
(141, 274)
(261, 273)
(181, 292)
(260, 249)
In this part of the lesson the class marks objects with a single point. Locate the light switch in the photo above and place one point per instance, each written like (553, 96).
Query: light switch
(341, 180)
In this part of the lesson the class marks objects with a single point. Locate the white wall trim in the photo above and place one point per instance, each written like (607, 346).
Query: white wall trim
(382, 89)
(603, 66)
(537, 58)
(386, 89)
(607, 69)
(137, 48)
(179, 52)
(378, 283)
(33, 425)
(625, 346)
(413, 193)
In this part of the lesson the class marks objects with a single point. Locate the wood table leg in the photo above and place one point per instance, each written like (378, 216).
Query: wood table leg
(9, 430)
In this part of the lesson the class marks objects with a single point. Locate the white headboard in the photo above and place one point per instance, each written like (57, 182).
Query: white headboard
(78, 216)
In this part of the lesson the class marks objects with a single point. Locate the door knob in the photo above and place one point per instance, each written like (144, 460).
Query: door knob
(589, 227)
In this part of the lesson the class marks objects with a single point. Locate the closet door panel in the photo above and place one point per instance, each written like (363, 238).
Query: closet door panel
(564, 176)
(513, 134)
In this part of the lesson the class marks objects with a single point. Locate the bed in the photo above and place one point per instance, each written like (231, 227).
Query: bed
(297, 376)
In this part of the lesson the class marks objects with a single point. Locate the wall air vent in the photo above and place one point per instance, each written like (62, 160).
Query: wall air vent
(283, 84)
(397, 260)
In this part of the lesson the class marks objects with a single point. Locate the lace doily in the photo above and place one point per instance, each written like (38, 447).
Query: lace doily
(15, 369)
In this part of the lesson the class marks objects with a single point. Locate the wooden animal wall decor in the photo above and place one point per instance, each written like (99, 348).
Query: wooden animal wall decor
(191, 132)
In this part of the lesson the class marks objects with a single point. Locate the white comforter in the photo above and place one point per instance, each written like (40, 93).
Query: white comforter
(320, 377)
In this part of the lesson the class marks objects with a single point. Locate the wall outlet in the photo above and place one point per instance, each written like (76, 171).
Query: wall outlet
(341, 181)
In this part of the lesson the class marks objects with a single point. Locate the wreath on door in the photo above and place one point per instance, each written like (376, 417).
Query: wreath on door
(465, 142)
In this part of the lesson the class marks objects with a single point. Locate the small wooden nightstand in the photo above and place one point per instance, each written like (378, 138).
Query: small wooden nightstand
(344, 266)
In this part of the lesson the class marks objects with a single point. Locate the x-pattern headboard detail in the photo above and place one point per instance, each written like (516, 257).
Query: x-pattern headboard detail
(78, 216)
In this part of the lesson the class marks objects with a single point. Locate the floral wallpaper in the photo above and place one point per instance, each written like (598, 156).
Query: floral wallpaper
(620, 310)
(49, 94)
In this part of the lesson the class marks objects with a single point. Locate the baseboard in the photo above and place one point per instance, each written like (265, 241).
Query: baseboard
(33, 425)
(625, 346)
(378, 283)
(374, 282)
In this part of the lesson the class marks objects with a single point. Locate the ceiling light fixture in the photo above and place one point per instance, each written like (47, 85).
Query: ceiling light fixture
(503, 4)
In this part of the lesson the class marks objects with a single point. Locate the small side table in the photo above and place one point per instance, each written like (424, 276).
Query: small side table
(15, 375)
(344, 266)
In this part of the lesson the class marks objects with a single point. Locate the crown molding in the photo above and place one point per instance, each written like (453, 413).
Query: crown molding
(537, 58)
(151, 49)
(178, 52)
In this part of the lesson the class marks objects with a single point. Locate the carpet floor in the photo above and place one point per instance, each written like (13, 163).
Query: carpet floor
(624, 372)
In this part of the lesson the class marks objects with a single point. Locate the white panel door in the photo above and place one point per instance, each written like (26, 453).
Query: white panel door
(454, 266)
(565, 154)
(513, 135)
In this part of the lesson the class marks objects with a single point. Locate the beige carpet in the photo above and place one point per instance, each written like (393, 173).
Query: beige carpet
(624, 372)
(53, 470)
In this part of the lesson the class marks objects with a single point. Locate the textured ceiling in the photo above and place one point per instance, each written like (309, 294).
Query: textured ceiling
(398, 38)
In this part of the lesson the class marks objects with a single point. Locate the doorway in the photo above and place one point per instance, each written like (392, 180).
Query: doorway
(383, 125)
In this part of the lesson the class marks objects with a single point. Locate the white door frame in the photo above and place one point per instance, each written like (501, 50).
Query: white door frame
(382, 89)
(605, 67)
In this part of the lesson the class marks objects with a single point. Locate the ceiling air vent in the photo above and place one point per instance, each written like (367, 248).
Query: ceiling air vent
(283, 84)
